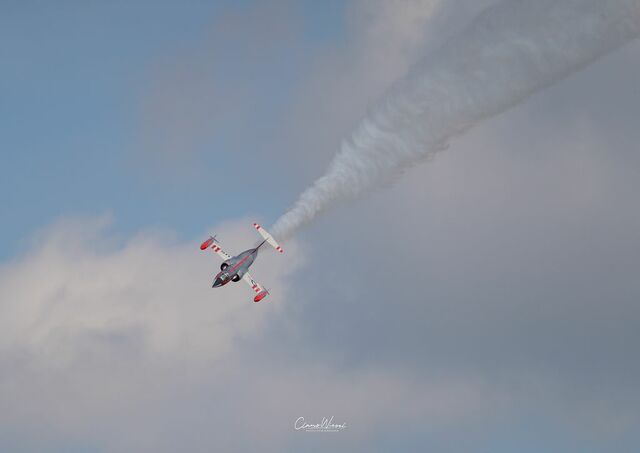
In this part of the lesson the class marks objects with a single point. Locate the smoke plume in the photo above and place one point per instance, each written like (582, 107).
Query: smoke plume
(510, 51)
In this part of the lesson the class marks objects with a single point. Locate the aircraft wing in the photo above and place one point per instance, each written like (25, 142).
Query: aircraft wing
(255, 286)
(216, 248)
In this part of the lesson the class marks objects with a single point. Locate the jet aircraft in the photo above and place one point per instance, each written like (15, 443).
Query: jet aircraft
(234, 268)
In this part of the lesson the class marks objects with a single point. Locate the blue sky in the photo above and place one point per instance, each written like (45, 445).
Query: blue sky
(75, 78)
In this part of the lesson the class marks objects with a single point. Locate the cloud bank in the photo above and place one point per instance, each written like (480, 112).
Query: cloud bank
(119, 347)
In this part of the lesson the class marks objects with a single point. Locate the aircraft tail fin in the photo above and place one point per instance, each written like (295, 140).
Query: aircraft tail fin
(265, 234)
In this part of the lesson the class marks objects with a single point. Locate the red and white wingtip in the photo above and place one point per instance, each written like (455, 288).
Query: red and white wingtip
(261, 295)
(270, 240)
(205, 245)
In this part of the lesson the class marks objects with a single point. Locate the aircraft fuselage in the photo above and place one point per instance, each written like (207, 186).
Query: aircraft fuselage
(235, 267)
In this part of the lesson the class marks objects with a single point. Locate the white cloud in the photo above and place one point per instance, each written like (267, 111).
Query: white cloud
(99, 336)
(70, 285)
(76, 310)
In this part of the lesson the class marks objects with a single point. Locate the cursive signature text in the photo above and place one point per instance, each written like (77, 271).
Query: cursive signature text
(326, 425)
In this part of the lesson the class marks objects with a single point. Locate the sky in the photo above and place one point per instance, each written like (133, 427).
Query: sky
(487, 301)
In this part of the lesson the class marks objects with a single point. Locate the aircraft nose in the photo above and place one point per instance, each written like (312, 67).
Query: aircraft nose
(217, 282)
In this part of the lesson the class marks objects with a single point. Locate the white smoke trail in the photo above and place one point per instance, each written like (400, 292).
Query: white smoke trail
(510, 51)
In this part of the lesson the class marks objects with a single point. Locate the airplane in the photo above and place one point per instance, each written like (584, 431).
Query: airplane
(234, 268)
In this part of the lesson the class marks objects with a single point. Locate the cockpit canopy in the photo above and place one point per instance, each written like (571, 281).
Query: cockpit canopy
(221, 279)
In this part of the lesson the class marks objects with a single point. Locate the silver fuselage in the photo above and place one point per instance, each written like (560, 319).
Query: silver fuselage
(235, 267)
